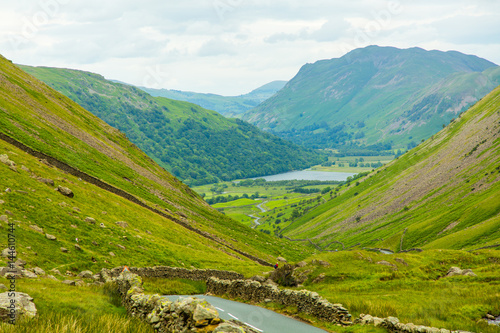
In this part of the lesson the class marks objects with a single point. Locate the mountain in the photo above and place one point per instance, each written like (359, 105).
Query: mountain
(228, 106)
(121, 200)
(198, 146)
(442, 194)
(376, 97)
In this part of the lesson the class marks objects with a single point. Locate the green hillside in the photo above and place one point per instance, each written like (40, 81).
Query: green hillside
(375, 97)
(443, 194)
(112, 181)
(198, 146)
(229, 106)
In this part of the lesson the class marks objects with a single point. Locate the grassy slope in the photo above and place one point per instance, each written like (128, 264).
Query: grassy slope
(379, 87)
(47, 121)
(198, 146)
(444, 193)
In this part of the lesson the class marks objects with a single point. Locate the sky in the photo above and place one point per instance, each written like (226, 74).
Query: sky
(231, 47)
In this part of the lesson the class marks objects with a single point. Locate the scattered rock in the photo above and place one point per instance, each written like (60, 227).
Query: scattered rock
(36, 228)
(228, 327)
(52, 277)
(386, 263)
(69, 282)
(64, 250)
(20, 263)
(8, 212)
(102, 225)
(46, 181)
(490, 317)
(24, 168)
(2, 202)
(85, 275)
(258, 278)
(90, 220)
(74, 226)
(50, 237)
(122, 224)
(121, 246)
(25, 308)
(55, 271)
(65, 191)
(38, 271)
(77, 247)
(5, 160)
(401, 261)
(112, 254)
(149, 232)
(8, 190)
(8, 253)
(28, 274)
(320, 262)
(301, 264)
(79, 283)
(320, 278)
(453, 271)
(281, 259)
(76, 209)
(4, 218)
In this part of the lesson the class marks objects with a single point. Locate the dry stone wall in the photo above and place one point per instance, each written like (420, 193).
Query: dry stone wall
(393, 325)
(184, 315)
(305, 301)
(176, 273)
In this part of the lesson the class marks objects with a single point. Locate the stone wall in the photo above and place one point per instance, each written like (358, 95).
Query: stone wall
(176, 273)
(305, 301)
(393, 325)
(184, 315)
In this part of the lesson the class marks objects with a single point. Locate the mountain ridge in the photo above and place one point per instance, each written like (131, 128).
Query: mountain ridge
(353, 99)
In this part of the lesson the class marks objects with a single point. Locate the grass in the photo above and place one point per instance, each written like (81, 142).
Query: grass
(417, 292)
(62, 308)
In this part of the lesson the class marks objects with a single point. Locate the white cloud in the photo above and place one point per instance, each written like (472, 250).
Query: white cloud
(233, 46)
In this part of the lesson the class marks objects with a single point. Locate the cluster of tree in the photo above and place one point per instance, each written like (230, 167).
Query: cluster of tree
(229, 198)
(292, 183)
(198, 150)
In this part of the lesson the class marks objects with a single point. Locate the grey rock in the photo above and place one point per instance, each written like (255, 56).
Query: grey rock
(90, 220)
(36, 228)
(227, 327)
(55, 271)
(204, 311)
(46, 181)
(102, 225)
(69, 282)
(64, 250)
(121, 246)
(4, 218)
(20, 263)
(77, 247)
(112, 254)
(86, 275)
(24, 306)
(7, 253)
(301, 264)
(65, 191)
(38, 271)
(122, 224)
(2, 202)
(28, 274)
(52, 277)
(281, 259)
(50, 237)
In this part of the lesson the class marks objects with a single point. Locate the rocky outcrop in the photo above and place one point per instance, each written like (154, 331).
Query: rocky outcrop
(393, 325)
(305, 301)
(15, 306)
(453, 271)
(184, 315)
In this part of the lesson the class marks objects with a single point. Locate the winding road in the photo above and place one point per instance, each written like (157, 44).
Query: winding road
(260, 319)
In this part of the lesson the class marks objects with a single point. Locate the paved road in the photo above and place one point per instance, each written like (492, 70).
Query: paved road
(262, 320)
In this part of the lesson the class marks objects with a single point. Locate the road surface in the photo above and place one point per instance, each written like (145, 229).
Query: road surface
(260, 319)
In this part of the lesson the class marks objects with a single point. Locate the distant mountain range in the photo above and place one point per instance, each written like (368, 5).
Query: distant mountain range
(228, 106)
(375, 98)
(198, 146)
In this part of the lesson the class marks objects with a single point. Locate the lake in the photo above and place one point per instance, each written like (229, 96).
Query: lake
(309, 175)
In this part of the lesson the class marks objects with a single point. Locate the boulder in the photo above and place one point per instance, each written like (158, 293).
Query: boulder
(38, 271)
(50, 237)
(204, 311)
(64, 250)
(85, 275)
(69, 282)
(8, 253)
(28, 274)
(55, 271)
(258, 278)
(4, 218)
(301, 264)
(77, 247)
(121, 246)
(20, 263)
(281, 259)
(65, 191)
(36, 228)
(90, 220)
(320, 278)
(228, 327)
(122, 224)
(46, 181)
(24, 307)
(112, 254)
(5, 160)
(453, 271)
(102, 225)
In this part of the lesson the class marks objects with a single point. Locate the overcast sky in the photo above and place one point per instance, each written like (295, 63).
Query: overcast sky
(230, 47)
